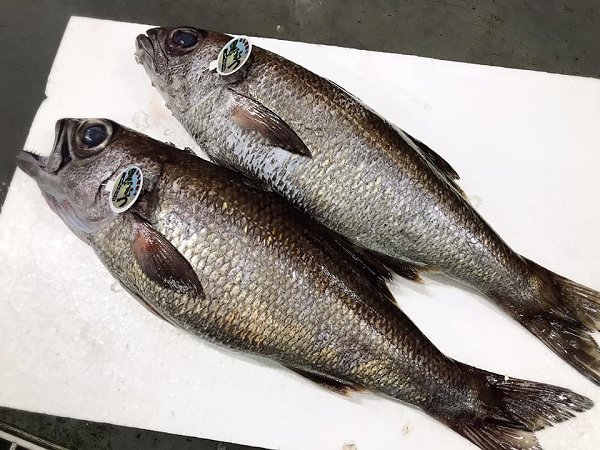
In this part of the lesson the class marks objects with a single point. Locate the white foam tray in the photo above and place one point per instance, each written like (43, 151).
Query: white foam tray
(72, 343)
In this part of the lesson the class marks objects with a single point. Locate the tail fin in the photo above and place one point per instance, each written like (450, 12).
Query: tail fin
(573, 313)
(517, 408)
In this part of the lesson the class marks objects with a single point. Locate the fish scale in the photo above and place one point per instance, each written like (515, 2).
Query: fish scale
(210, 253)
(236, 313)
(318, 146)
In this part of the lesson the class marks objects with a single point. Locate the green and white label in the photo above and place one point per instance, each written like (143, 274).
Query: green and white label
(233, 56)
(125, 189)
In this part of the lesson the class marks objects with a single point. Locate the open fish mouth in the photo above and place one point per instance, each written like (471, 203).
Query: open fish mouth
(34, 164)
(61, 142)
(31, 163)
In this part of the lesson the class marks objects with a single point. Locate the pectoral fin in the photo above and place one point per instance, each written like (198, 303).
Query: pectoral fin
(161, 261)
(249, 114)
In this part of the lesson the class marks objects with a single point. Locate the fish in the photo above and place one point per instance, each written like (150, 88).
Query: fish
(209, 251)
(328, 154)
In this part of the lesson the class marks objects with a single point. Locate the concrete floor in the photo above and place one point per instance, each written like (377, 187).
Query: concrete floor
(48, 431)
(546, 35)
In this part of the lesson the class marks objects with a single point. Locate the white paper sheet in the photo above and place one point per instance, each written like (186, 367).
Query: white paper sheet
(72, 343)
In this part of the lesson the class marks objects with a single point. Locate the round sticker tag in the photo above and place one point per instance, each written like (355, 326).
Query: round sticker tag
(233, 55)
(126, 189)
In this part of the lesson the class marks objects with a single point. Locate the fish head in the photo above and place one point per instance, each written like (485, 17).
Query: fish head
(177, 61)
(87, 155)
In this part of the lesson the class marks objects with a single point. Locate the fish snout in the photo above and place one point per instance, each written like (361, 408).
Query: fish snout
(30, 163)
(144, 47)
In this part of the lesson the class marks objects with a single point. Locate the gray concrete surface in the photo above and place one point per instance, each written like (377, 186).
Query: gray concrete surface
(56, 433)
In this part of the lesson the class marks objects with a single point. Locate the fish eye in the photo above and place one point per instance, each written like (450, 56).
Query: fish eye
(94, 135)
(184, 38)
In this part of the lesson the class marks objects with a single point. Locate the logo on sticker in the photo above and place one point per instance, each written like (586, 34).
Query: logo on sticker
(126, 189)
(233, 55)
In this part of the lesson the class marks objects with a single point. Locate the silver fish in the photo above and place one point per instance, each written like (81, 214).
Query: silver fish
(329, 155)
(206, 250)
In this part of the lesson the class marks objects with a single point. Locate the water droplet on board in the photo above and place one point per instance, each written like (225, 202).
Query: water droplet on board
(140, 120)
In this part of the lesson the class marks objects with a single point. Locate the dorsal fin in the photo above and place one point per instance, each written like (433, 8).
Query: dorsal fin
(440, 163)
(442, 166)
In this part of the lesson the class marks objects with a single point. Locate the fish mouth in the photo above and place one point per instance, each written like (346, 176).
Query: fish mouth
(35, 166)
(144, 50)
(61, 143)
(44, 169)
(31, 163)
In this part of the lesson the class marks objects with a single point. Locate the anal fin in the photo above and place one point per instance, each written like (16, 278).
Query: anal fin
(337, 386)
(405, 269)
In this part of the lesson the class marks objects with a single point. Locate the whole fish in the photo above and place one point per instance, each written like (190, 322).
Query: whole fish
(206, 250)
(329, 155)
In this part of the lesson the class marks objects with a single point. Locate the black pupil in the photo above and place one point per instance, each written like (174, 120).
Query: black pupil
(94, 135)
(184, 39)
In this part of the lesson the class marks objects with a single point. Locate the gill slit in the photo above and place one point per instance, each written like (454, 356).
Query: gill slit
(103, 186)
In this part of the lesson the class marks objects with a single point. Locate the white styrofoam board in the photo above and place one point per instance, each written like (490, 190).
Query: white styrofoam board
(74, 344)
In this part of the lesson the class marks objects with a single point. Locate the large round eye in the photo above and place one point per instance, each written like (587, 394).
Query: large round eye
(184, 38)
(94, 135)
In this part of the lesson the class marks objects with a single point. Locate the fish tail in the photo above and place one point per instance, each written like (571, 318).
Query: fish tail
(510, 410)
(571, 313)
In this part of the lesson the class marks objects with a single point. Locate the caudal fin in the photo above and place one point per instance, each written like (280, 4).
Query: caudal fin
(515, 410)
(572, 315)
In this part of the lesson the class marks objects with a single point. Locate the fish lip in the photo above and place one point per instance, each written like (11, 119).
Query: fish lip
(62, 141)
(31, 163)
(144, 49)
(61, 154)
(35, 165)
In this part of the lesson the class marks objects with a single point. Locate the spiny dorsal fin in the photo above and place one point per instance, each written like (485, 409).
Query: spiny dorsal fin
(249, 114)
(161, 261)
(440, 163)
(189, 151)
(436, 160)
